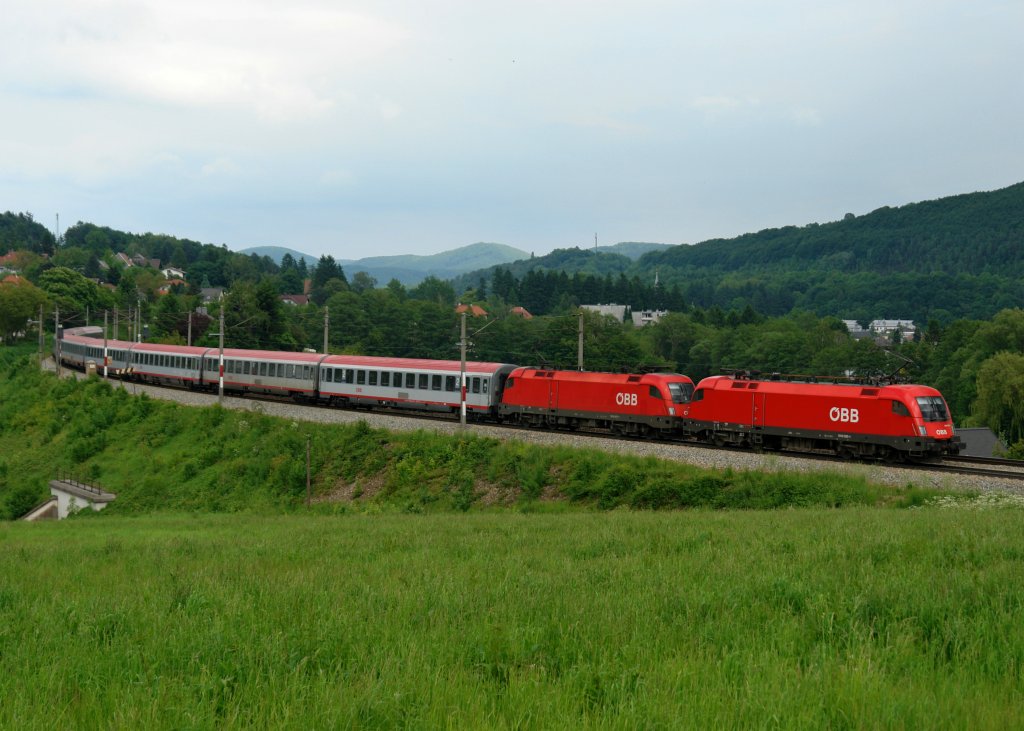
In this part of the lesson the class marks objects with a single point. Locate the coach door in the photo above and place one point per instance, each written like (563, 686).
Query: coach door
(758, 402)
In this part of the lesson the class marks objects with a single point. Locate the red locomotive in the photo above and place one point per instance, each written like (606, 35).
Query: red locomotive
(846, 419)
(623, 403)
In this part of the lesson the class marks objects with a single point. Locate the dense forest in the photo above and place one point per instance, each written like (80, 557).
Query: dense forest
(770, 301)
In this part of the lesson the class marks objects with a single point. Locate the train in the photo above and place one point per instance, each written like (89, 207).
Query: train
(863, 421)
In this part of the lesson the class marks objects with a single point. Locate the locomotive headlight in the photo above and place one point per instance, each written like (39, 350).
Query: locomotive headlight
(671, 410)
(923, 431)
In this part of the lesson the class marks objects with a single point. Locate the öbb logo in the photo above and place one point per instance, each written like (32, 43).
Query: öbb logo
(625, 399)
(850, 416)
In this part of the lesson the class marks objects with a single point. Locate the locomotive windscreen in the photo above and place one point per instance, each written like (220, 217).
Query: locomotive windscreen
(933, 408)
(681, 392)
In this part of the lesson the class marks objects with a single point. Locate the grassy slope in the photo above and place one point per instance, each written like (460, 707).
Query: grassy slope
(803, 618)
(157, 455)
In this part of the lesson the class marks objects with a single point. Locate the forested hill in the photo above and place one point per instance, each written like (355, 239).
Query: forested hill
(950, 258)
(975, 233)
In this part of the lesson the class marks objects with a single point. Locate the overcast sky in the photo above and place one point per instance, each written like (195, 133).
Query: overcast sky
(393, 126)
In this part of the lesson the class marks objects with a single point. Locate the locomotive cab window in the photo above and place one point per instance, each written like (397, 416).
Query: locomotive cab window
(900, 409)
(653, 392)
(698, 395)
(933, 408)
(681, 393)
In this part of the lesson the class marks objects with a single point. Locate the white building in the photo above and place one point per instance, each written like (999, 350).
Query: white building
(646, 317)
(612, 310)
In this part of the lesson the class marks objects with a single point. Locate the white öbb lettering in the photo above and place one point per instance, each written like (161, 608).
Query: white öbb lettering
(625, 399)
(849, 416)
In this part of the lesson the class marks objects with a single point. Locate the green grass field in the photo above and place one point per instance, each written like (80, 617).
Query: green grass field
(854, 618)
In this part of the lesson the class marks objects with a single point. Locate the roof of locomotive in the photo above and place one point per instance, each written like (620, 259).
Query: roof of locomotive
(865, 390)
(599, 377)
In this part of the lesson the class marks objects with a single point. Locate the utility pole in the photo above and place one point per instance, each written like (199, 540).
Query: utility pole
(190, 327)
(579, 347)
(462, 375)
(138, 322)
(105, 344)
(220, 386)
(309, 497)
(87, 315)
(327, 319)
(39, 322)
(56, 338)
(117, 329)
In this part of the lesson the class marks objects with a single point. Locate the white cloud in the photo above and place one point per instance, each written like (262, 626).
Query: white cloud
(279, 60)
(221, 166)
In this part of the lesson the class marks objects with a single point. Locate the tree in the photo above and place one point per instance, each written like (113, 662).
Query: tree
(19, 302)
(326, 270)
(1000, 402)
(361, 282)
(73, 293)
(434, 290)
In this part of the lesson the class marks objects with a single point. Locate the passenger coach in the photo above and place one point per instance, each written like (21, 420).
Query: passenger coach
(423, 384)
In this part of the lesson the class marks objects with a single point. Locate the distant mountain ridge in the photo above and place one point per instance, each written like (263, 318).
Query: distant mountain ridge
(410, 269)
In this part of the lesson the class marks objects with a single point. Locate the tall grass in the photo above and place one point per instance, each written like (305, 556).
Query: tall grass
(791, 619)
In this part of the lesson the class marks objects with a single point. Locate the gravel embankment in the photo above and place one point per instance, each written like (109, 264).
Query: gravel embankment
(699, 456)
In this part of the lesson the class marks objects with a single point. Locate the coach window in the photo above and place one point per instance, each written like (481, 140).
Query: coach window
(350, 375)
(410, 380)
(900, 409)
(289, 371)
(360, 377)
(326, 375)
(449, 383)
(385, 378)
(435, 382)
(483, 385)
(424, 381)
(372, 380)
(476, 384)
(307, 372)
